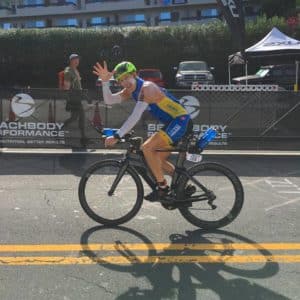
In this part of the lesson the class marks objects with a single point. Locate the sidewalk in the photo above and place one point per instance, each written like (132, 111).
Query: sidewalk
(41, 151)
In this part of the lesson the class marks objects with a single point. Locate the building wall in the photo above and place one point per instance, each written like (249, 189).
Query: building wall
(103, 13)
(54, 13)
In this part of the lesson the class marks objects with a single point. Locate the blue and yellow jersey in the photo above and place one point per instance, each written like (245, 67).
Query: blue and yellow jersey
(168, 109)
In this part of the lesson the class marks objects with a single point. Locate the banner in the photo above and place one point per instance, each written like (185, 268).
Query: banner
(233, 13)
(49, 118)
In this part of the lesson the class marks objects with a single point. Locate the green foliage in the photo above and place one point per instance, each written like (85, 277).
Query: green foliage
(257, 29)
(280, 8)
(34, 56)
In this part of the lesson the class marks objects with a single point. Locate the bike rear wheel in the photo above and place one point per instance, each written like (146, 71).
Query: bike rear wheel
(227, 191)
(106, 208)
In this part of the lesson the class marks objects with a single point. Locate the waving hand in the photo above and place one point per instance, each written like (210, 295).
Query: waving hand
(102, 72)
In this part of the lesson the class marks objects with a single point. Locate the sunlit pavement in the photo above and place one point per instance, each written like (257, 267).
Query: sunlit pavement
(50, 249)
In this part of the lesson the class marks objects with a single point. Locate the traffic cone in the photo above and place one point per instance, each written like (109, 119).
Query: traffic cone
(11, 116)
(50, 114)
(97, 121)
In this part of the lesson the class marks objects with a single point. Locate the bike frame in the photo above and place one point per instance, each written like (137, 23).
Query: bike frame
(136, 160)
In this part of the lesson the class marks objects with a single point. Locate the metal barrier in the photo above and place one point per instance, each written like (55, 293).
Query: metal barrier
(56, 119)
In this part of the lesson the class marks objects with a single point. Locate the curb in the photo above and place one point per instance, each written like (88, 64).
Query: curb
(69, 151)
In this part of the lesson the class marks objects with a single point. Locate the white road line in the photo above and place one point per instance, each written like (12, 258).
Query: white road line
(283, 204)
(252, 182)
(289, 192)
(284, 182)
(146, 217)
(245, 183)
(275, 195)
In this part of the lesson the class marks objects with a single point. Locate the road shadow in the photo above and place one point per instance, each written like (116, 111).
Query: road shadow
(47, 164)
(192, 279)
(76, 164)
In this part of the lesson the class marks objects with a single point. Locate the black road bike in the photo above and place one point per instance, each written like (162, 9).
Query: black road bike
(208, 195)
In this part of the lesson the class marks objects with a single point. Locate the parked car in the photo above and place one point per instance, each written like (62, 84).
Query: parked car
(282, 75)
(153, 75)
(189, 72)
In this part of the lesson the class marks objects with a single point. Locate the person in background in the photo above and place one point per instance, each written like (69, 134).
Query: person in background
(72, 83)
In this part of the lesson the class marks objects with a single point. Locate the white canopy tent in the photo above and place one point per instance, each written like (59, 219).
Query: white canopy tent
(274, 44)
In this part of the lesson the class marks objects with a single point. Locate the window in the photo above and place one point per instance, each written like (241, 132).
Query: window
(7, 26)
(209, 13)
(179, 1)
(33, 2)
(291, 71)
(262, 72)
(139, 18)
(193, 66)
(98, 21)
(64, 2)
(165, 16)
(67, 23)
(34, 24)
(277, 72)
(40, 24)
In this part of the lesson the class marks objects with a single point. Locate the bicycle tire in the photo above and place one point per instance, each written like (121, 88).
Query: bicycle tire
(89, 210)
(222, 171)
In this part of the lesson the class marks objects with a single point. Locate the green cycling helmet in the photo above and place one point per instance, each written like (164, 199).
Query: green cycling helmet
(125, 67)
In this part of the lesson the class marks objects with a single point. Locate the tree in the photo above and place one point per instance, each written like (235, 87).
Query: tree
(4, 3)
(280, 8)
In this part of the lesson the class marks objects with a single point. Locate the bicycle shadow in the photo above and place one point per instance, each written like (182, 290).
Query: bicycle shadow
(189, 280)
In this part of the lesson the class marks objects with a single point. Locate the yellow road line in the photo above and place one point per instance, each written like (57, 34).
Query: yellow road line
(145, 247)
(122, 260)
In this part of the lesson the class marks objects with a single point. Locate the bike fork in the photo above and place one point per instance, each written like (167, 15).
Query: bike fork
(118, 179)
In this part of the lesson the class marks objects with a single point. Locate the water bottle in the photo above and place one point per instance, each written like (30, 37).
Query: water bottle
(206, 138)
(109, 131)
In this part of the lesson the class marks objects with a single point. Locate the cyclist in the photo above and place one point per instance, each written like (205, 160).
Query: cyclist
(160, 104)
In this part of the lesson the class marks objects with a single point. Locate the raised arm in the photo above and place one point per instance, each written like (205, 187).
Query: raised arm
(105, 75)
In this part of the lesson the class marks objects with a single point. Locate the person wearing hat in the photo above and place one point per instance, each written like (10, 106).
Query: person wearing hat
(72, 79)
(161, 104)
(72, 83)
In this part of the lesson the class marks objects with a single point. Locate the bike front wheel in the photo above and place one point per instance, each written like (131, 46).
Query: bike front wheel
(100, 203)
(217, 194)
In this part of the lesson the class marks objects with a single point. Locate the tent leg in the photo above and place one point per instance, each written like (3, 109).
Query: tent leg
(246, 67)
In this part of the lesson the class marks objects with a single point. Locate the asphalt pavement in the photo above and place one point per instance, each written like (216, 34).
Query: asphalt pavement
(50, 249)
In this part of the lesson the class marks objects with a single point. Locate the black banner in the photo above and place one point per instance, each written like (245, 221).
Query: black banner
(234, 16)
(49, 118)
